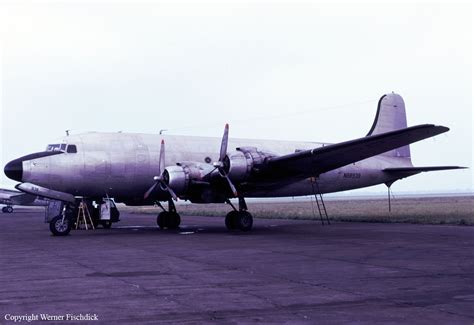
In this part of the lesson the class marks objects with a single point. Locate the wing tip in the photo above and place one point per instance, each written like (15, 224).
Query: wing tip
(442, 128)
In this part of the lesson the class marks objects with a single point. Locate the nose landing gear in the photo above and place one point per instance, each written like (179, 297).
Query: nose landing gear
(60, 225)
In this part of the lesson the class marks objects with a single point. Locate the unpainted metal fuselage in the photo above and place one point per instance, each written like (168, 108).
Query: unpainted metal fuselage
(122, 166)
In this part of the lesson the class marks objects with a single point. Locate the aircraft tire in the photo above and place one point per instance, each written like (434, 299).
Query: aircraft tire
(161, 219)
(244, 221)
(231, 220)
(107, 224)
(59, 228)
(9, 209)
(4, 210)
(174, 220)
(170, 220)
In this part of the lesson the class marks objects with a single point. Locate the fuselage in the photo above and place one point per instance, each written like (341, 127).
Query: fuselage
(122, 165)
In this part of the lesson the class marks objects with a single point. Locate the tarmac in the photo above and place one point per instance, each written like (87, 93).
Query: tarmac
(282, 271)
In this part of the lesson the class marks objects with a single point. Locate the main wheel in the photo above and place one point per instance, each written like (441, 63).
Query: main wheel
(4, 209)
(9, 209)
(231, 220)
(107, 224)
(161, 220)
(244, 221)
(174, 220)
(170, 220)
(60, 227)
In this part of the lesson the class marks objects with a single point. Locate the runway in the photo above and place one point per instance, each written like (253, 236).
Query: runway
(283, 271)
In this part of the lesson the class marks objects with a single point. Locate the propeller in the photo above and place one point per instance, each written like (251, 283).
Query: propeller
(219, 165)
(161, 179)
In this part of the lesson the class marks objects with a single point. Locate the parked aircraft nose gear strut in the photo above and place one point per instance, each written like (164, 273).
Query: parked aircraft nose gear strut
(239, 219)
(61, 225)
(168, 219)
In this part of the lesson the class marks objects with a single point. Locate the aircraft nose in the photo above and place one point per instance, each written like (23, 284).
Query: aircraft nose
(14, 169)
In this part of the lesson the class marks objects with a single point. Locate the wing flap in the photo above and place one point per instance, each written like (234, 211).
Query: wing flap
(324, 159)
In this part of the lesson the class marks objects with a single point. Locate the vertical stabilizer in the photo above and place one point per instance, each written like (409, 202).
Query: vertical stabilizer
(390, 116)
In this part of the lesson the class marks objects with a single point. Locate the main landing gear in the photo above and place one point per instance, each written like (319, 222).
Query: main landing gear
(239, 219)
(168, 219)
(7, 209)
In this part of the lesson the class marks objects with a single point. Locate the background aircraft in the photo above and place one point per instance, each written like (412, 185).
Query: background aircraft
(11, 198)
(142, 169)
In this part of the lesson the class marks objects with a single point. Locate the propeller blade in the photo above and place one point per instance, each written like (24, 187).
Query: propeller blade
(147, 194)
(225, 140)
(232, 187)
(172, 193)
(161, 161)
(210, 172)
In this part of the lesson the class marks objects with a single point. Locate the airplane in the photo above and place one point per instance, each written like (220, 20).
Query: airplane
(147, 169)
(10, 198)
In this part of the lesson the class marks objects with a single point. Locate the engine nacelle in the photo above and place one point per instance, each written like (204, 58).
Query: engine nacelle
(241, 164)
(180, 177)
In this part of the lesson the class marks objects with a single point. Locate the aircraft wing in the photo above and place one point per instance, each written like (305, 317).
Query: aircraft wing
(321, 160)
(15, 197)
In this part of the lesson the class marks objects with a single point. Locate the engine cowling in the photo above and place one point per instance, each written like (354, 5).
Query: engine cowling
(180, 177)
(246, 161)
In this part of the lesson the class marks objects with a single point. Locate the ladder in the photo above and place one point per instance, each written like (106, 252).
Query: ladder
(323, 213)
(84, 217)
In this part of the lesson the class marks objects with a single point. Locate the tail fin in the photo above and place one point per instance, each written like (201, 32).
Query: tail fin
(391, 116)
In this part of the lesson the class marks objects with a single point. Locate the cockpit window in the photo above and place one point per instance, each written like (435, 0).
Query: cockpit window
(72, 148)
(53, 147)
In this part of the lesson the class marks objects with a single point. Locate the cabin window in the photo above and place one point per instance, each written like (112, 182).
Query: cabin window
(72, 148)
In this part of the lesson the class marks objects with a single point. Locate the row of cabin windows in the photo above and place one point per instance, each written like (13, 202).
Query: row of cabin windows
(69, 148)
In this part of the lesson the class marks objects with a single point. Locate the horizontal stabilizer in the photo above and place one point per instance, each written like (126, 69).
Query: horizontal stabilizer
(409, 171)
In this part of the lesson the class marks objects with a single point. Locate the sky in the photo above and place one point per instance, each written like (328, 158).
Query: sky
(288, 70)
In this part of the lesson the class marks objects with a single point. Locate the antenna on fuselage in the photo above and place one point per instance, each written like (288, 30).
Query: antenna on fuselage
(67, 132)
(162, 130)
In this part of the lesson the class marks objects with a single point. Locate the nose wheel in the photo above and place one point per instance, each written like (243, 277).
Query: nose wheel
(60, 225)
